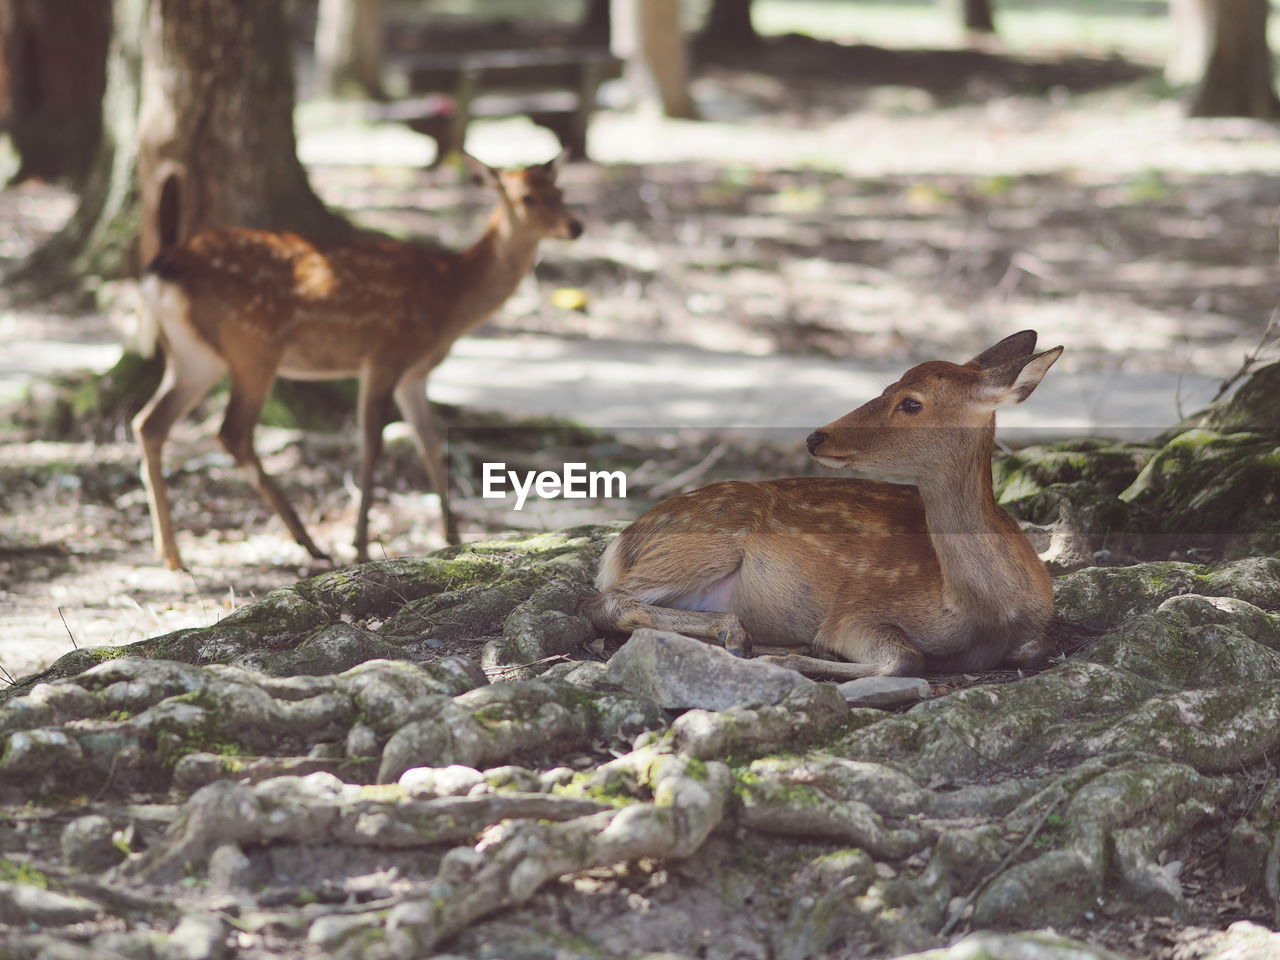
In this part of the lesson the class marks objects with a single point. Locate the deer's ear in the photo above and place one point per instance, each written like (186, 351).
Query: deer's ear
(1021, 344)
(552, 167)
(481, 173)
(1014, 381)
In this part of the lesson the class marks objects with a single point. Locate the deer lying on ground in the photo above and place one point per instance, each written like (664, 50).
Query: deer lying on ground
(258, 305)
(897, 579)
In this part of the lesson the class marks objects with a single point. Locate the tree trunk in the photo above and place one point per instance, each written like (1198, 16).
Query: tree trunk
(1236, 79)
(215, 130)
(646, 34)
(98, 240)
(55, 55)
(349, 43)
(974, 16)
(729, 28)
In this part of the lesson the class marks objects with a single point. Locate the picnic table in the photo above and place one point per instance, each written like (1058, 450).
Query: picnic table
(555, 88)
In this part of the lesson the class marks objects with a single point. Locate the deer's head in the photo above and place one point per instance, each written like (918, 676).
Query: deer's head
(529, 200)
(935, 416)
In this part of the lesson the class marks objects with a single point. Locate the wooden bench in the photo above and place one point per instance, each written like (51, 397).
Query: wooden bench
(556, 89)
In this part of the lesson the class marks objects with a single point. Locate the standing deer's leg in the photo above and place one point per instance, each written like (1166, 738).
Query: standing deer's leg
(883, 649)
(411, 397)
(375, 395)
(191, 367)
(249, 389)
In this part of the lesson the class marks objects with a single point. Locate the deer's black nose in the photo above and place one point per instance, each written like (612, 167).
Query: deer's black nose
(815, 440)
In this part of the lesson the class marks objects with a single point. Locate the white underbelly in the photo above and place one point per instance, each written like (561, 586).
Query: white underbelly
(326, 373)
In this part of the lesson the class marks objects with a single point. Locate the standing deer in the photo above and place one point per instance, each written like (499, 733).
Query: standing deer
(897, 579)
(258, 305)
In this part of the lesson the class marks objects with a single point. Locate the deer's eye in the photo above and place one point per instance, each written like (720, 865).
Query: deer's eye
(910, 405)
(530, 200)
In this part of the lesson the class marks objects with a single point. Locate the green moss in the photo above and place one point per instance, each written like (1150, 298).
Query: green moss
(23, 874)
(175, 740)
(1104, 596)
(615, 791)
(1225, 485)
(1149, 186)
(1107, 466)
(525, 544)
(386, 792)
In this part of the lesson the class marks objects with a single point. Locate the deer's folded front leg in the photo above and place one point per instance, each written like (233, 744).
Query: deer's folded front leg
(616, 611)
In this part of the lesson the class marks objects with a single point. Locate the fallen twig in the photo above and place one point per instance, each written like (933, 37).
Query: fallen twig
(958, 914)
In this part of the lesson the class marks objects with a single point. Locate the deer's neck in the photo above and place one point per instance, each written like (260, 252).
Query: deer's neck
(982, 570)
(489, 272)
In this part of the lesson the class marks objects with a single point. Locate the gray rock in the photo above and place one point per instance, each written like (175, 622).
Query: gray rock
(545, 625)
(128, 945)
(87, 844)
(454, 780)
(332, 649)
(511, 777)
(329, 932)
(229, 869)
(363, 741)
(1040, 945)
(677, 672)
(555, 777)
(581, 673)
(198, 936)
(22, 904)
(883, 691)
(1243, 940)
(489, 726)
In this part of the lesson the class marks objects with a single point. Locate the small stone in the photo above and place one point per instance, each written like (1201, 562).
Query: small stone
(196, 770)
(127, 945)
(330, 931)
(454, 780)
(87, 844)
(883, 691)
(198, 936)
(555, 777)
(678, 672)
(512, 778)
(363, 741)
(229, 869)
(581, 673)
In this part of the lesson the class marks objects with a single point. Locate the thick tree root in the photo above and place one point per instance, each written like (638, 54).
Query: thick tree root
(374, 813)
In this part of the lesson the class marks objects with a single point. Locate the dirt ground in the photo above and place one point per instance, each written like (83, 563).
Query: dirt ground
(1157, 262)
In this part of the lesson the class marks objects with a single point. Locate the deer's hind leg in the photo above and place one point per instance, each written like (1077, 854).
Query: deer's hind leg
(191, 367)
(250, 384)
(671, 589)
(881, 648)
